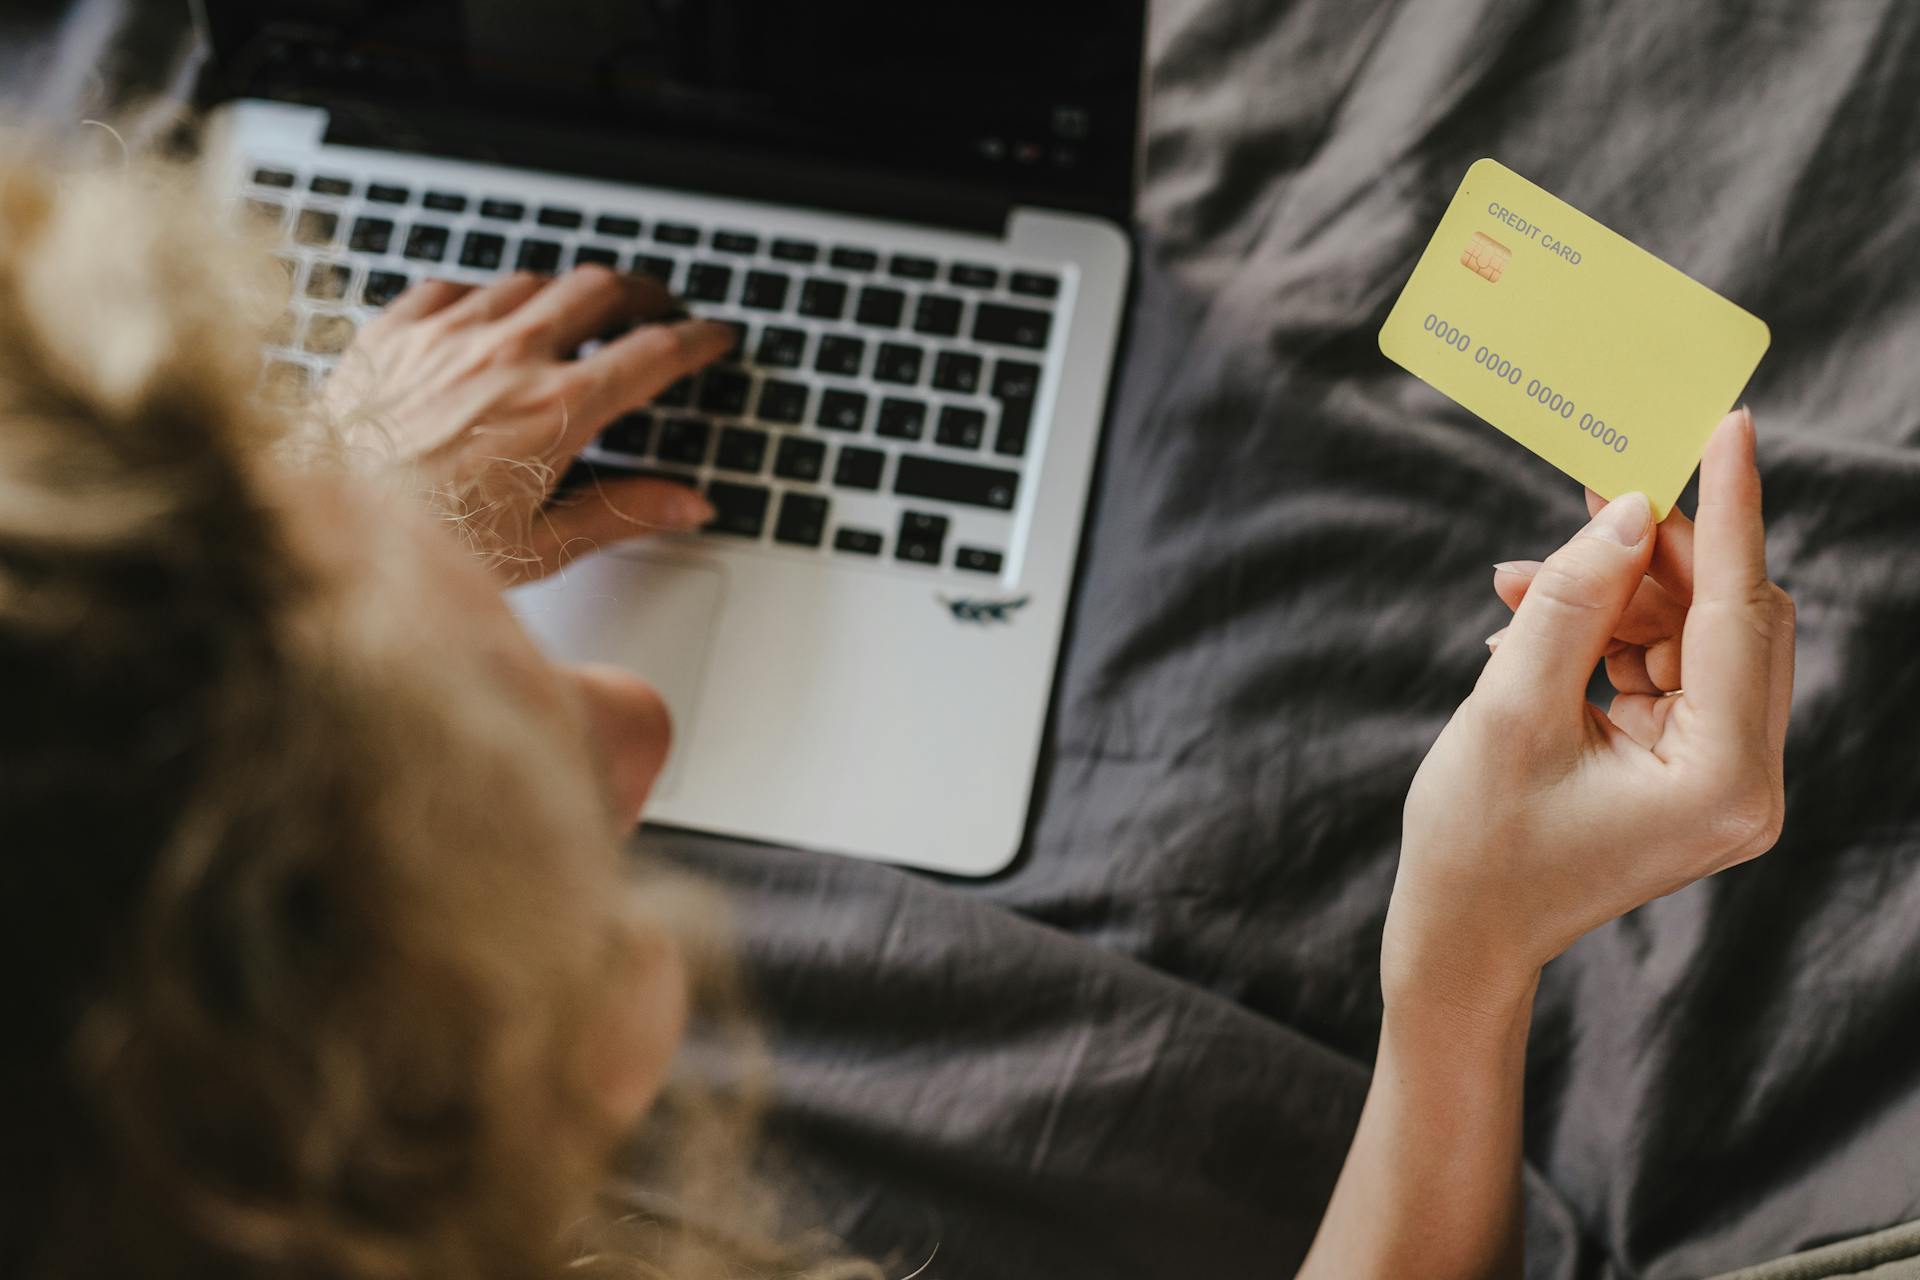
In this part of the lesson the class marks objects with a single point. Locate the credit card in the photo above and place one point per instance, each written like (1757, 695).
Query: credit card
(1584, 347)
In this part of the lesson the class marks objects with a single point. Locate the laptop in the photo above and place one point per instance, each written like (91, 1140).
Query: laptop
(917, 214)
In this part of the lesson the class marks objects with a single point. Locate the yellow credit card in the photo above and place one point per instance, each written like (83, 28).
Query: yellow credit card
(1576, 342)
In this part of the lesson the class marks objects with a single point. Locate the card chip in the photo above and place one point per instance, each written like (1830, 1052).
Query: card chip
(1485, 256)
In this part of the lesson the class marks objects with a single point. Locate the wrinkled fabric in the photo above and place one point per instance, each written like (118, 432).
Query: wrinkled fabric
(1142, 1051)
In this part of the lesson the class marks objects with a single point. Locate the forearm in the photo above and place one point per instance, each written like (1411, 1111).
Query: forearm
(1431, 1185)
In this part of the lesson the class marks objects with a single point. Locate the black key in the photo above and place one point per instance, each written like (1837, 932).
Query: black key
(630, 435)
(736, 349)
(271, 212)
(331, 186)
(370, 235)
(899, 363)
(796, 251)
(901, 419)
(316, 226)
(724, 391)
(542, 256)
(272, 178)
(859, 468)
(823, 299)
(881, 308)
(1016, 380)
(504, 210)
(861, 542)
(386, 193)
(956, 482)
(803, 520)
(593, 254)
(683, 440)
(708, 282)
(565, 219)
(614, 224)
(854, 259)
(328, 281)
(675, 233)
(735, 242)
(584, 473)
(799, 458)
(1011, 326)
(382, 287)
(677, 396)
(909, 267)
(783, 402)
(1016, 417)
(444, 202)
(741, 449)
(842, 410)
(841, 354)
(782, 348)
(977, 560)
(739, 509)
(764, 290)
(937, 315)
(483, 250)
(426, 242)
(957, 371)
(922, 537)
(646, 264)
(969, 276)
(960, 427)
(1035, 285)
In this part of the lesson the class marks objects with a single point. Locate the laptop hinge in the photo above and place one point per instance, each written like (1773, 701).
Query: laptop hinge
(710, 170)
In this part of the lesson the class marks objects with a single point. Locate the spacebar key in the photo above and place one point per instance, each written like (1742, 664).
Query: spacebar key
(956, 482)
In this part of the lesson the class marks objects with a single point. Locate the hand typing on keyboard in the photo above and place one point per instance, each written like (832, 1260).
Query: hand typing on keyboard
(487, 393)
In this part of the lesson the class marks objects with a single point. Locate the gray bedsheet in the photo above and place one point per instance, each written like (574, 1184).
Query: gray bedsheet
(1142, 1051)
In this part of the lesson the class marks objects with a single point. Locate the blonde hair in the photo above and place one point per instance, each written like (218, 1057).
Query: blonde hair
(281, 1000)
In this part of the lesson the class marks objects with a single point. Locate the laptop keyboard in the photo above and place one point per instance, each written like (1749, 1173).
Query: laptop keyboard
(880, 404)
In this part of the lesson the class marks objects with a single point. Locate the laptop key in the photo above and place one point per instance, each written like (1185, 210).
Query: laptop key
(708, 282)
(858, 468)
(842, 411)
(483, 250)
(937, 315)
(957, 371)
(971, 276)
(370, 235)
(427, 242)
(741, 449)
(909, 267)
(382, 287)
(329, 335)
(823, 299)
(331, 186)
(922, 538)
(563, 219)
(799, 458)
(901, 419)
(595, 255)
(802, 251)
(802, 521)
(842, 355)
(859, 542)
(960, 482)
(1011, 326)
(854, 259)
(273, 178)
(316, 227)
(629, 435)
(1016, 380)
(683, 440)
(647, 264)
(677, 396)
(977, 560)
(880, 308)
(764, 290)
(328, 281)
(725, 392)
(444, 202)
(898, 363)
(617, 225)
(782, 348)
(387, 193)
(503, 210)
(736, 242)
(676, 233)
(960, 427)
(541, 256)
(1016, 420)
(1035, 285)
(782, 402)
(739, 509)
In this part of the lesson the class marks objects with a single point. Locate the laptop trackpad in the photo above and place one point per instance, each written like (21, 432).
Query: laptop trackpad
(652, 615)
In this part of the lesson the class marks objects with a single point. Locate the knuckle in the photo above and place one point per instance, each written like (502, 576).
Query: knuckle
(597, 280)
(1571, 579)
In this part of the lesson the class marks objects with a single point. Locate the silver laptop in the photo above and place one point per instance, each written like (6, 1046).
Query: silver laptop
(917, 215)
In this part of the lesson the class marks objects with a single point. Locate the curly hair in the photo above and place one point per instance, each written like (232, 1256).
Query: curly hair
(290, 992)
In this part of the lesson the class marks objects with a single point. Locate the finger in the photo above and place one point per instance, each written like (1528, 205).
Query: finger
(1642, 716)
(605, 512)
(586, 303)
(631, 730)
(1672, 565)
(1728, 657)
(497, 300)
(1780, 678)
(630, 371)
(1627, 672)
(1651, 617)
(425, 298)
(1568, 617)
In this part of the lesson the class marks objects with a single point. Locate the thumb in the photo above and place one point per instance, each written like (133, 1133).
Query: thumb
(1564, 625)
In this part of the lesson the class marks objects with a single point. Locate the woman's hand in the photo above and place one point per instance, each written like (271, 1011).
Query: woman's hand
(1536, 816)
(479, 390)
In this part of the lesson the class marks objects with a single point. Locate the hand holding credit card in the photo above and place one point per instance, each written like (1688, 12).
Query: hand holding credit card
(1588, 350)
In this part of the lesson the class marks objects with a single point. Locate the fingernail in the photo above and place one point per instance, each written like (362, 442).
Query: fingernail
(691, 510)
(1625, 520)
(1519, 568)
